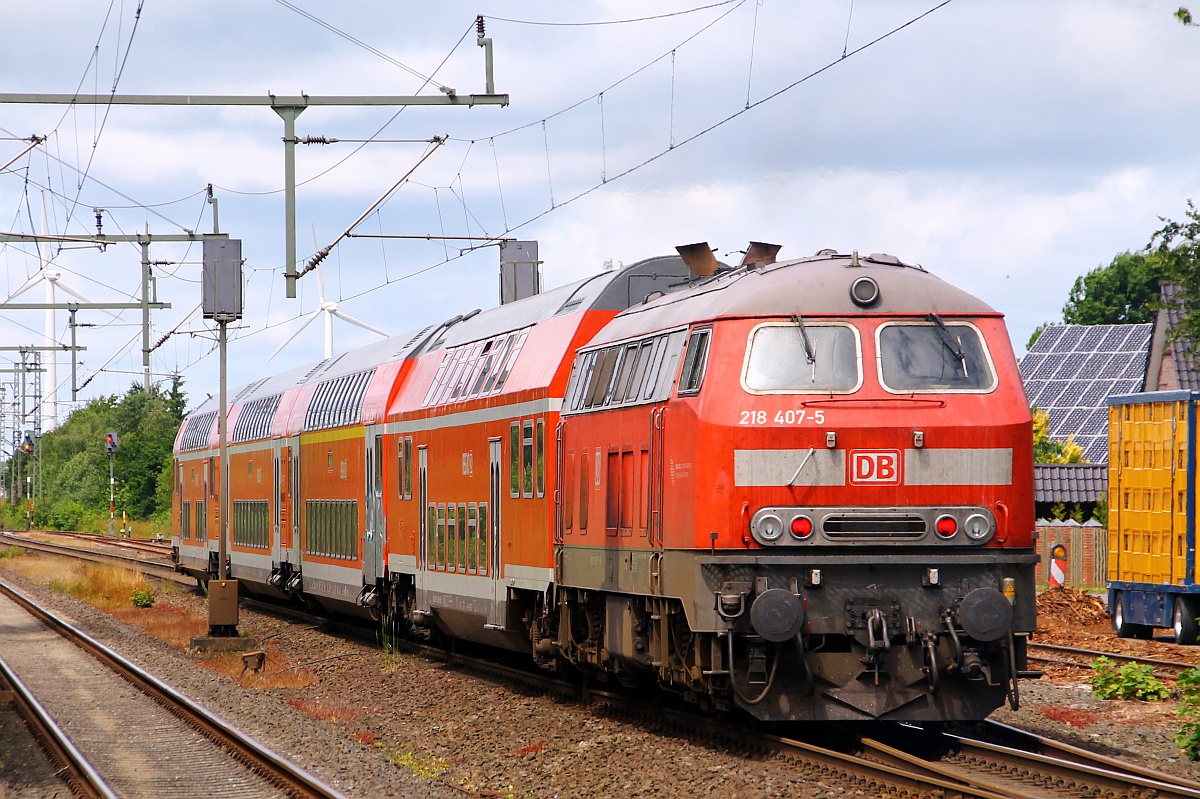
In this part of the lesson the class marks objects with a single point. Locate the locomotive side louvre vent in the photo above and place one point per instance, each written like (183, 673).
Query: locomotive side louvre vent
(195, 435)
(254, 421)
(898, 525)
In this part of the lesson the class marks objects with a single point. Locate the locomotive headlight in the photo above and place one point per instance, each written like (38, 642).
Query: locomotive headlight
(802, 527)
(977, 527)
(945, 526)
(770, 527)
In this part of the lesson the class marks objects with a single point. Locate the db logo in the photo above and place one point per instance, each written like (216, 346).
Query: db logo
(875, 467)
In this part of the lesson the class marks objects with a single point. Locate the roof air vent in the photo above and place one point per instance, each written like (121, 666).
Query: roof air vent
(884, 258)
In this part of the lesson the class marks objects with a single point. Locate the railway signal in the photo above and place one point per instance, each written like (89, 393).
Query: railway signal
(27, 443)
(110, 443)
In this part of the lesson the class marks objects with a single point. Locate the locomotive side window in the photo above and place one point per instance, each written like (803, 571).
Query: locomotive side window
(695, 363)
(635, 371)
(933, 356)
(802, 357)
(585, 463)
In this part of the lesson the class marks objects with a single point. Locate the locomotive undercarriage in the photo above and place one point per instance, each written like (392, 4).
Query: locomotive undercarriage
(924, 636)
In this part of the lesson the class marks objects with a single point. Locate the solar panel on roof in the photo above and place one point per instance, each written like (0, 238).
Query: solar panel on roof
(1097, 422)
(1139, 339)
(1071, 395)
(1092, 337)
(1030, 363)
(1057, 417)
(1115, 367)
(1097, 392)
(1069, 339)
(1033, 388)
(1126, 386)
(1049, 395)
(1095, 365)
(1049, 366)
(1048, 338)
(1095, 448)
(1113, 341)
(1071, 366)
(1136, 368)
(1075, 421)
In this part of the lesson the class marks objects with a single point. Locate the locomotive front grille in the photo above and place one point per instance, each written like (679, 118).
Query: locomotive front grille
(904, 526)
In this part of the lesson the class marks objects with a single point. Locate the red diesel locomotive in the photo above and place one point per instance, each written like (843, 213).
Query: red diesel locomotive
(802, 488)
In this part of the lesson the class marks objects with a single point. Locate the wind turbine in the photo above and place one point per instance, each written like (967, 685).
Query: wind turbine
(328, 309)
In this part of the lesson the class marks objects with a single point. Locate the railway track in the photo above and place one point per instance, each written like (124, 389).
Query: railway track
(109, 722)
(1082, 658)
(992, 761)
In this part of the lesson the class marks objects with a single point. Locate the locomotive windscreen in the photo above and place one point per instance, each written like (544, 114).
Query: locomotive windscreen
(934, 357)
(803, 357)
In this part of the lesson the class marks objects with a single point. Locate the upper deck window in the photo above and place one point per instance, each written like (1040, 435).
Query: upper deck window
(933, 355)
(800, 356)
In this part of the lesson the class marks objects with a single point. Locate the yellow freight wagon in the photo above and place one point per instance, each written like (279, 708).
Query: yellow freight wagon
(1152, 481)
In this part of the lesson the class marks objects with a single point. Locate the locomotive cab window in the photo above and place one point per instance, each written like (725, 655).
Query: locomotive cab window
(933, 355)
(695, 362)
(803, 356)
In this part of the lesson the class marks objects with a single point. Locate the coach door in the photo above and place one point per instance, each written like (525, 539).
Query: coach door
(497, 609)
(373, 535)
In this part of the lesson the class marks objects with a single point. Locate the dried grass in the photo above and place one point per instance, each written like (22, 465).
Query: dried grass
(275, 672)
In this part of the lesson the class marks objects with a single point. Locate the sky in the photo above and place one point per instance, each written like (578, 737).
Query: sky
(1007, 147)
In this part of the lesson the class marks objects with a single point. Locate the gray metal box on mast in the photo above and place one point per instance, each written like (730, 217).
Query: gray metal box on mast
(221, 293)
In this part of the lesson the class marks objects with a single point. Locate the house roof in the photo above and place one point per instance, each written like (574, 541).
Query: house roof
(1071, 370)
(1070, 482)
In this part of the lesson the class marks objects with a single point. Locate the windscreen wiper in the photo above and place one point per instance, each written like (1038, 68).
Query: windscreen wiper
(949, 341)
(808, 347)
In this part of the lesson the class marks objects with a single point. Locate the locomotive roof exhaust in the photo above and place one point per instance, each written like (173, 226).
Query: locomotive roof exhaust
(699, 259)
(761, 253)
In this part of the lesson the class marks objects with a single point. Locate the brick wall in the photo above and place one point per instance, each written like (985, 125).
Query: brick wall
(1087, 551)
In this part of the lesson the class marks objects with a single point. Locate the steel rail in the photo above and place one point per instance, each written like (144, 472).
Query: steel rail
(1178, 665)
(288, 776)
(75, 769)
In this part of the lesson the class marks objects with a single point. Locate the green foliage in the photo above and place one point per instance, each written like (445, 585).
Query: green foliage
(11, 552)
(1124, 292)
(1100, 512)
(75, 467)
(1185, 16)
(1060, 511)
(1188, 738)
(1177, 245)
(143, 598)
(1048, 450)
(1128, 681)
(1037, 331)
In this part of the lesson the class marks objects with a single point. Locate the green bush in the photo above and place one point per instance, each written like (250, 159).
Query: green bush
(1129, 681)
(143, 597)
(1188, 738)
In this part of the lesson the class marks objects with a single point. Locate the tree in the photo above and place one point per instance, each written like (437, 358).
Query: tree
(1177, 246)
(1123, 292)
(1046, 449)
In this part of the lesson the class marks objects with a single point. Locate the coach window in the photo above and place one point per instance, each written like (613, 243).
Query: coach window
(462, 536)
(472, 536)
(501, 352)
(451, 537)
(696, 361)
(431, 536)
(514, 459)
(541, 457)
(527, 458)
(406, 453)
(511, 360)
(481, 557)
(802, 356)
(933, 355)
(441, 536)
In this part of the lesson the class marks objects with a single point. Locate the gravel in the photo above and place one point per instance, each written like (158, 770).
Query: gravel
(378, 725)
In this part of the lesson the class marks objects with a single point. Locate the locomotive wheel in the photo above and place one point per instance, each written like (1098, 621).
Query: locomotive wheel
(1183, 621)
